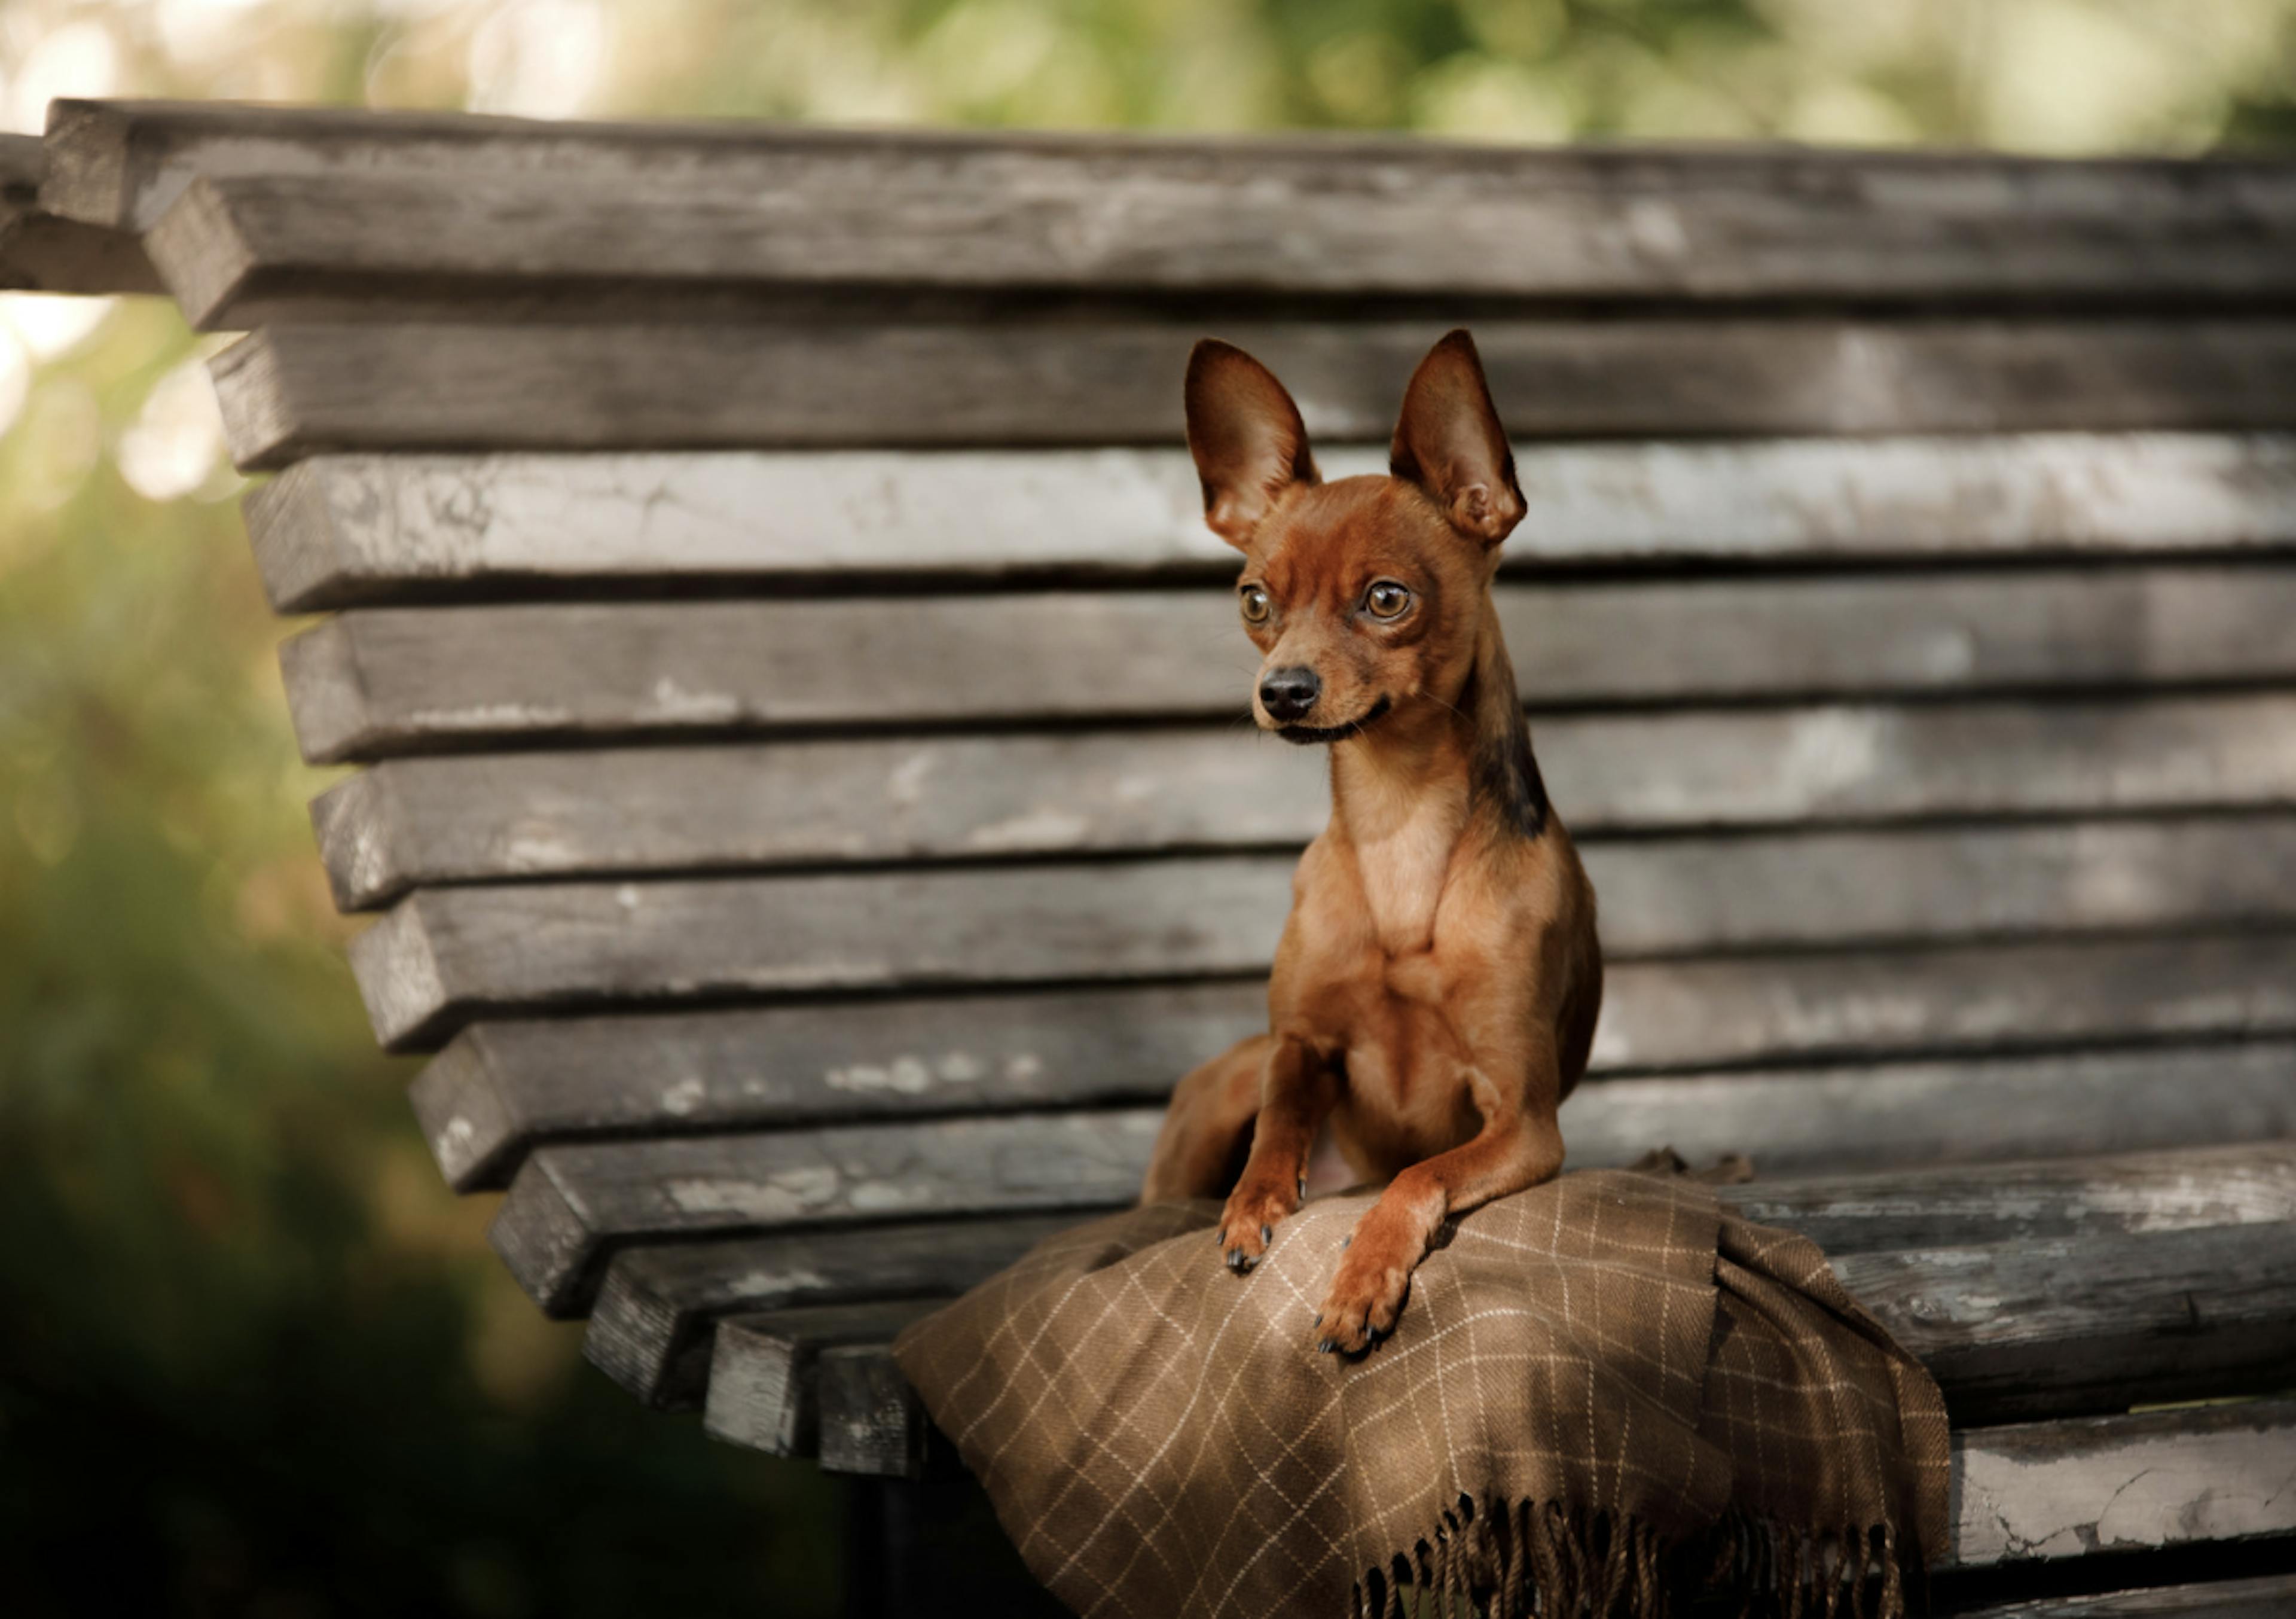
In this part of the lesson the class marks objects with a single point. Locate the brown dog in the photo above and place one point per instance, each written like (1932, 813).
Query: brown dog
(1437, 985)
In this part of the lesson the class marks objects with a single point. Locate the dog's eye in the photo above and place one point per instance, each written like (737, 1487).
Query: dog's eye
(1255, 604)
(1387, 599)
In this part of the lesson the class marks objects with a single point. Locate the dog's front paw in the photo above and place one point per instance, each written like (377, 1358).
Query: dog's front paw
(1247, 1225)
(1365, 1301)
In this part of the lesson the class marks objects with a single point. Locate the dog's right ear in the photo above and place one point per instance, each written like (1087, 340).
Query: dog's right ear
(1247, 437)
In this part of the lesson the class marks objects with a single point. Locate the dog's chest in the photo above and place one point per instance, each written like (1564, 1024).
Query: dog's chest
(1402, 878)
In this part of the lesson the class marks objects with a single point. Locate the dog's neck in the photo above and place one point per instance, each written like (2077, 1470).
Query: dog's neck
(1407, 793)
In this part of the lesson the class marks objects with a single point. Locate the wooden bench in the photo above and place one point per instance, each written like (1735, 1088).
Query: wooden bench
(805, 810)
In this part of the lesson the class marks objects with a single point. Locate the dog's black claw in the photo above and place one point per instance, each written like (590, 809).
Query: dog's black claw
(1318, 1321)
(1238, 1260)
(1267, 1234)
(1303, 1186)
(1344, 1241)
(1328, 1346)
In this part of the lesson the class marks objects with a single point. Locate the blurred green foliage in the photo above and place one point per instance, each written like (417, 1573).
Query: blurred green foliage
(253, 1358)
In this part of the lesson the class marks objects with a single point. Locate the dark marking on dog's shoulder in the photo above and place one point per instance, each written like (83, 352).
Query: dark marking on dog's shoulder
(1503, 773)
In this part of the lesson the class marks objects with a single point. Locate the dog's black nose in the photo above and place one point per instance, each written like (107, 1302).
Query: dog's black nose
(1288, 693)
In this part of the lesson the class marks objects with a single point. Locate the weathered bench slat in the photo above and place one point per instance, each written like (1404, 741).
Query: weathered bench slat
(1996, 1358)
(338, 530)
(568, 1200)
(287, 391)
(2264, 1596)
(466, 818)
(655, 1308)
(2031, 1491)
(502, 1085)
(762, 1374)
(42, 253)
(1307, 213)
(2109, 1484)
(2010, 1329)
(378, 681)
(1203, 217)
(444, 957)
(2054, 1326)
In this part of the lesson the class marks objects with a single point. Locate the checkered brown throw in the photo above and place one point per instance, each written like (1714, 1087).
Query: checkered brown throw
(1606, 1393)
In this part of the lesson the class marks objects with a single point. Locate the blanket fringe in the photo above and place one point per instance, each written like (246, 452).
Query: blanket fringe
(1545, 1560)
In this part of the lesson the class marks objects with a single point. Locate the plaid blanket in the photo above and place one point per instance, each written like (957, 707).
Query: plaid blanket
(1606, 1393)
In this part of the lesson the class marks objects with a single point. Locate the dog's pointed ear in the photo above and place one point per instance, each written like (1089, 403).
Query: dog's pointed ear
(1247, 437)
(1448, 441)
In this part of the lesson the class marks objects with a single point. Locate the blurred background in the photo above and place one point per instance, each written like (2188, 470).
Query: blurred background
(254, 1358)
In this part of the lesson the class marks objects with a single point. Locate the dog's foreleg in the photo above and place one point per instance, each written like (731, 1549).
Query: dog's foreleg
(1297, 1090)
(1519, 1145)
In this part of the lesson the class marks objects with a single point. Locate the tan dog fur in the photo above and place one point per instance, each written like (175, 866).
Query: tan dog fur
(1436, 989)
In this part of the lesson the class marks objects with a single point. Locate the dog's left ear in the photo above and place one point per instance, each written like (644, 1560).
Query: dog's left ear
(1448, 441)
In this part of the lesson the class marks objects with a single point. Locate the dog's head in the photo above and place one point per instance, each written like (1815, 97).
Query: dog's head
(1364, 596)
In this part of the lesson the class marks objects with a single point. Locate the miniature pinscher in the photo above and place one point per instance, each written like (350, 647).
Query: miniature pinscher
(1436, 989)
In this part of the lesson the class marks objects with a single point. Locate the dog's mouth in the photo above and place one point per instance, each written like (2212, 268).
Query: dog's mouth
(1305, 734)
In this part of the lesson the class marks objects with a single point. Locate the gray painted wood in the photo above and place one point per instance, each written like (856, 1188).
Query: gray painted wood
(339, 531)
(2040, 1200)
(568, 1201)
(42, 253)
(2058, 1326)
(464, 819)
(656, 1306)
(760, 1390)
(1974, 1110)
(871, 1420)
(2266, 1597)
(762, 1370)
(654, 1310)
(377, 681)
(501, 1086)
(287, 391)
(2031, 1491)
(2122, 1483)
(445, 956)
(429, 197)
(1957, 1000)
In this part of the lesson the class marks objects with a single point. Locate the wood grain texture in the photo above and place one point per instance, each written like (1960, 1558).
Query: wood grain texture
(656, 1304)
(762, 1370)
(445, 956)
(345, 530)
(502, 1085)
(2055, 1326)
(2040, 1200)
(871, 1420)
(289, 392)
(42, 253)
(2265, 1596)
(2030, 1490)
(654, 1310)
(2121, 1483)
(311, 195)
(797, 804)
(379, 681)
(1971, 1110)
(568, 1203)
